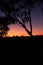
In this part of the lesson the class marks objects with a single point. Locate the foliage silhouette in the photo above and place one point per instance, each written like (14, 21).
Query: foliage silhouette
(3, 26)
(18, 11)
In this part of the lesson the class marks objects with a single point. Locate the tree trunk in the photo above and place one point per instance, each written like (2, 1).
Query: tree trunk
(30, 19)
(30, 22)
(23, 25)
(29, 33)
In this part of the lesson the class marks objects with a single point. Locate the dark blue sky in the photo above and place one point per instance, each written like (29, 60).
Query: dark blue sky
(37, 18)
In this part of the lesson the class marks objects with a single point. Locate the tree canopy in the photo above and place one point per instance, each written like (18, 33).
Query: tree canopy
(17, 11)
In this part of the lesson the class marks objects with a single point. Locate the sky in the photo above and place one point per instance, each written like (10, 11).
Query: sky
(37, 25)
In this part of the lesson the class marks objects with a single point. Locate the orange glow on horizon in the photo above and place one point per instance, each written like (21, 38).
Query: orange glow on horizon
(19, 31)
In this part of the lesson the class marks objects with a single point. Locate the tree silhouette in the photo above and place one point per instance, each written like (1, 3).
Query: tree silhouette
(22, 10)
(4, 21)
(3, 27)
(18, 11)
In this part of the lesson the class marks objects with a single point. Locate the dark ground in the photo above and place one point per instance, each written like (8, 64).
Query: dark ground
(22, 42)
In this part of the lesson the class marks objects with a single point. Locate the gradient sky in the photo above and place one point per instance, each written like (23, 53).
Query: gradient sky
(37, 24)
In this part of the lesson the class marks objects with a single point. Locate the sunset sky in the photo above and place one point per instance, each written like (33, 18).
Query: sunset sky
(37, 24)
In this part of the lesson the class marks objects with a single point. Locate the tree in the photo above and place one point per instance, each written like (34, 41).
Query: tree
(4, 21)
(3, 26)
(22, 10)
(19, 11)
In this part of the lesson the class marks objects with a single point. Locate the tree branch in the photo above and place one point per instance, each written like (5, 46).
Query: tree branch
(25, 28)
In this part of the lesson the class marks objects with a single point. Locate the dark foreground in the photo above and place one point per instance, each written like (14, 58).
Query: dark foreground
(22, 42)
